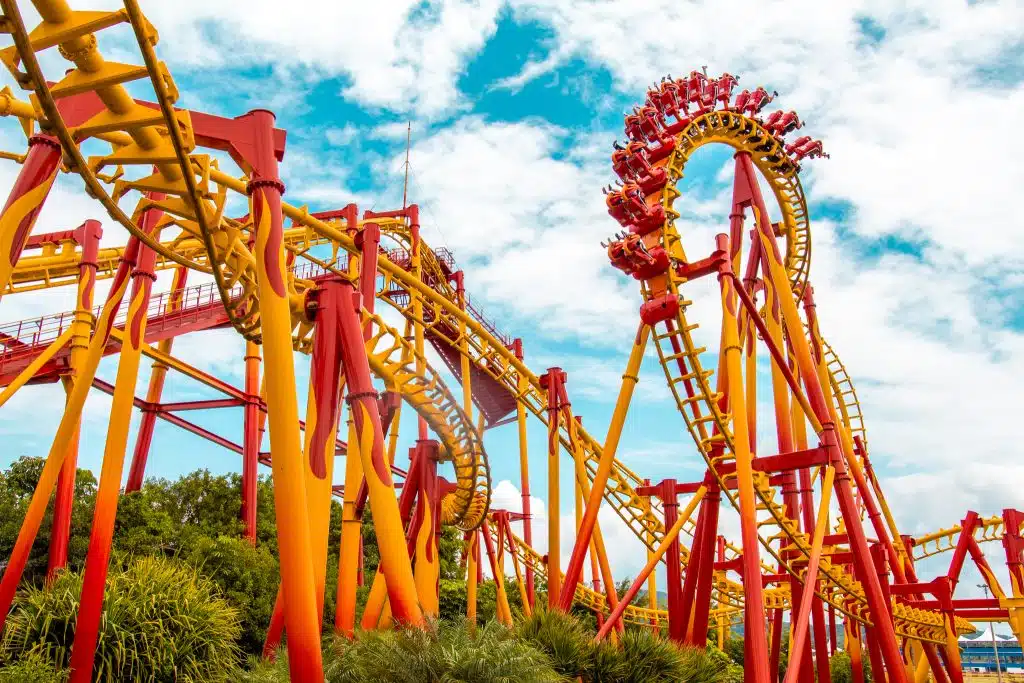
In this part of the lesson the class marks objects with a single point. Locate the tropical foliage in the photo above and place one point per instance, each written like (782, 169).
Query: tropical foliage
(162, 622)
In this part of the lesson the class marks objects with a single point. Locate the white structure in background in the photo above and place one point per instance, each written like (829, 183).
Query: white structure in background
(978, 654)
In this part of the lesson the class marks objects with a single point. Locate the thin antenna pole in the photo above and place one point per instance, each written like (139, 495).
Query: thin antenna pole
(408, 144)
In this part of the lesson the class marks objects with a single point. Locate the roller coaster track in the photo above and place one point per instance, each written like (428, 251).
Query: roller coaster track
(196, 196)
(690, 383)
(597, 602)
(987, 529)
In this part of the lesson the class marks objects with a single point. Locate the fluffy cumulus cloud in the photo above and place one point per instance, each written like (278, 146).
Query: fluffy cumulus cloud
(400, 54)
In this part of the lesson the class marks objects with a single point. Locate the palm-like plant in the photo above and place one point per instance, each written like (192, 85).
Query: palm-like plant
(445, 651)
(442, 652)
(162, 622)
(562, 637)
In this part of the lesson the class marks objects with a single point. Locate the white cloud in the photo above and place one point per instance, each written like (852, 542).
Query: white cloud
(402, 54)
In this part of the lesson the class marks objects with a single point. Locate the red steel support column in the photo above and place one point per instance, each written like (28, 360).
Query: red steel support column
(666, 491)
(1013, 545)
(64, 501)
(251, 438)
(144, 439)
(705, 577)
(26, 201)
(833, 643)
(693, 568)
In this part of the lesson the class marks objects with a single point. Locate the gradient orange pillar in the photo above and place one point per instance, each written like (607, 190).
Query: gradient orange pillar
(754, 617)
(524, 471)
(297, 577)
(427, 568)
(597, 487)
(90, 233)
(66, 430)
(251, 438)
(26, 201)
(554, 383)
(320, 444)
(369, 442)
(97, 560)
(144, 439)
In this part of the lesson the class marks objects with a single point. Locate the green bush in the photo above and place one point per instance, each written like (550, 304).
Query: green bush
(162, 622)
(32, 669)
(247, 577)
(651, 658)
(841, 669)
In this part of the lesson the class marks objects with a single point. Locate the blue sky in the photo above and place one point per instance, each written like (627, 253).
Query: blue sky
(917, 256)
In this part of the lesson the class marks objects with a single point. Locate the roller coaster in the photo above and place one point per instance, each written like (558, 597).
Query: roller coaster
(818, 542)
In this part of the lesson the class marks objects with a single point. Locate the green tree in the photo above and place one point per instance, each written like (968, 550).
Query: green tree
(17, 484)
(841, 669)
(246, 575)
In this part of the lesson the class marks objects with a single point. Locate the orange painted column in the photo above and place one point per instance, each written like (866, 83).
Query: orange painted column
(320, 445)
(67, 428)
(369, 442)
(26, 201)
(297, 576)
(553, 382)
(427, 570)
(97, 560)
(82, 325)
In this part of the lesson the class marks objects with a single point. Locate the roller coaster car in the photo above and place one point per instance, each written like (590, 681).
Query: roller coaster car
(779, 124)
(628, 207)
(723, 88)
(695, 84)
(667, 99)
(795, 145)
(809, 149)
(616, 204)
(634, 131)
(741, 100)
(632, 163)
(631, 256)
(755, 102)
(651, 123)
